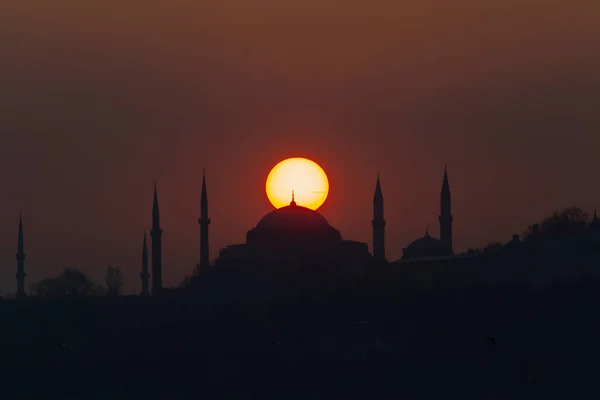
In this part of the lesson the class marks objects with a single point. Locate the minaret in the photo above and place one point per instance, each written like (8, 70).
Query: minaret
(20, 261)
(378, 224)
(446, 213)
(145, 275)
(204, 221)
(156, 235)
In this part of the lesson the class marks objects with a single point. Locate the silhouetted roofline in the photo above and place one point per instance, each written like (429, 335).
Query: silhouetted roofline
(434, 258)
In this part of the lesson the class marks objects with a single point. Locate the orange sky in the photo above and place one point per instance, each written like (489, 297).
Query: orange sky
(97, 101)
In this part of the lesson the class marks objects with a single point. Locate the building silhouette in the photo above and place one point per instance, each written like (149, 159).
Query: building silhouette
(428, 246)
(295, 236)
(204, 221)
(145, 275)
(378, 224)
(156, 235)
(515, 243)
(20, 261)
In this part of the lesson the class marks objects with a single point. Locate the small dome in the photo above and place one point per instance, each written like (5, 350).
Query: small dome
(426, 246)
(295, 217)
(425, 243)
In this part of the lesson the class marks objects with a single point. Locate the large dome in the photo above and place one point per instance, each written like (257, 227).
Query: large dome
(293, 236)
(294, 217)
(293, 226)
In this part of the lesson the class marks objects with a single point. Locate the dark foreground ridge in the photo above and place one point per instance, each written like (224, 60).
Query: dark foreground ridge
(432, 344)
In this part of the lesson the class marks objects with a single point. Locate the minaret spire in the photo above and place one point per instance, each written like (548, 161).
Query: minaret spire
(293, 202)
(20, 260)
(155, 202)
(378, 224)
(204, 222)
(145, 275)
(445, 217)
(156, 236)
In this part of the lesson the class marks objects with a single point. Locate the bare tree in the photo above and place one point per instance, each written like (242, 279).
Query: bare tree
(70, 283)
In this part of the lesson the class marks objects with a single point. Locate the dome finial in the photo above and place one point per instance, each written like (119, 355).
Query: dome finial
(427, 231)
(293, 203)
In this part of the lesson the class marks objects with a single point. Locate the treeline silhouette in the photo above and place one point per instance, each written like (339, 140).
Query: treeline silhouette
(315, 331)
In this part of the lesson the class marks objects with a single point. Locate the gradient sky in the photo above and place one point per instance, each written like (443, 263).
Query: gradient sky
(99, 100)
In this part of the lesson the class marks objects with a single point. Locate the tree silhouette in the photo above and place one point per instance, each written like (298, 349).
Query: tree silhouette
(70, 283)
(572, 221)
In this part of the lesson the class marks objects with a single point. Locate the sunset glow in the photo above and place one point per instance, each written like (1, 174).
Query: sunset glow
(305, 177)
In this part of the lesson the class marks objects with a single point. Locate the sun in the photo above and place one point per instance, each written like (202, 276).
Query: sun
(304, 177)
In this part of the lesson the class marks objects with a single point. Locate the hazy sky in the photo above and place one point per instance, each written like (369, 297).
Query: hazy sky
(99, 100)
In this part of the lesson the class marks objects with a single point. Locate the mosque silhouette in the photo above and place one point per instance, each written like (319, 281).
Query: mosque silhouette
(295, 235)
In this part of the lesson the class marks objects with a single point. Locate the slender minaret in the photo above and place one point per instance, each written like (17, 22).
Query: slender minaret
(378, 224)
(446, 213)
(156, 235)
(145, 275)
(20, 261)
(204, 221)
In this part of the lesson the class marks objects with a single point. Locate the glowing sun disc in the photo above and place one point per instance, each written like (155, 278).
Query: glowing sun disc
(305, 177)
